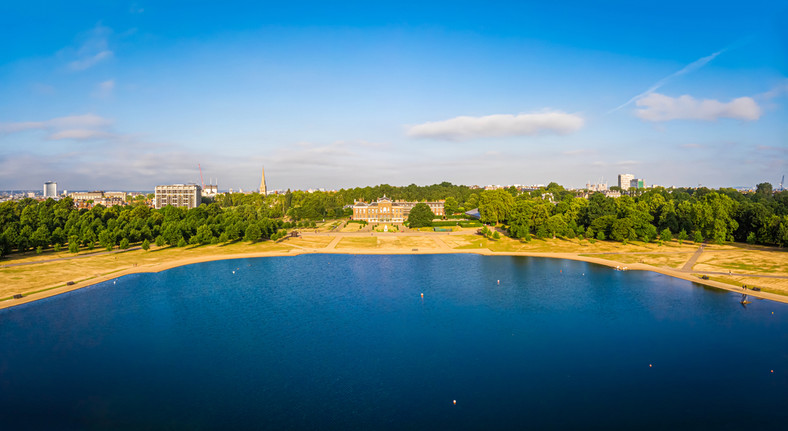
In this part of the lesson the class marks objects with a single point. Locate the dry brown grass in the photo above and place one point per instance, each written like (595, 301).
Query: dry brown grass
(664, 260)
(745, 261)
(31, 278)
(406, 243)
(358, 242)
(309, 241)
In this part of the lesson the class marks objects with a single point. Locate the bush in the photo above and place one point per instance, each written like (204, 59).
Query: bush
(182, 243)
(57, 247)
(159, 241)
(145, 245)
(470, 224)
(124, 243)
(496, 235)
(39, 249)
(683, 236)
(361, 222)
(697, 237)
(600, 236)
(73, 247)
(751, 238)
(666, 235)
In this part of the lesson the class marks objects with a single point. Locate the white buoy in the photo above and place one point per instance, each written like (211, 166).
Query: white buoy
(499, 281)
(233, 272)
(455, 401)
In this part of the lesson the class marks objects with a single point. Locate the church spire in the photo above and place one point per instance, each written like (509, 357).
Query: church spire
(263, 188)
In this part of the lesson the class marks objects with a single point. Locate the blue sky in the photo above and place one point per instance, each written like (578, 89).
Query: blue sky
(127, 95)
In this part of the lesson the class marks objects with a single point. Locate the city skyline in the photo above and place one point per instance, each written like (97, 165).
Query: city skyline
(133, 95)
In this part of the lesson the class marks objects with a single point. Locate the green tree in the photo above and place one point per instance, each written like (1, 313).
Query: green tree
(252, 233)
(450, 205)
(697, 237)
(683, 236)
(160, 241)
(420, 216)
(124, 244)
(73, 244)
(145, 245)
(182, 243)
(666, 235)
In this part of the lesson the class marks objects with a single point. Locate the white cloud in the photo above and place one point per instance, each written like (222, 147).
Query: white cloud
(93, 50)
(695, 65)
(80, 135)
(78, 127)
(463, 128)
(658, 107)
(104, 89)
(88, 62)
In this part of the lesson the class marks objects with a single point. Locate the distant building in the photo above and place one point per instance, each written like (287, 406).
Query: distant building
(637, 183)
(624, 181)
(599, 187)
(210, 190)
(178, 195)
(50, 189)
(87, 196)
(115, 195)
(386, 210)
(263, 187)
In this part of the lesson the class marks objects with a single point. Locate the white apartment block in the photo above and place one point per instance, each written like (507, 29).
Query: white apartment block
(178, 195)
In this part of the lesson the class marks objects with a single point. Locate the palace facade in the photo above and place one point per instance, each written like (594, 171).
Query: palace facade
(386, 210)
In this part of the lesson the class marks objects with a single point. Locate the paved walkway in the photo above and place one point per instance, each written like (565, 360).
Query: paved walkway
(334, 242)
(690, 263)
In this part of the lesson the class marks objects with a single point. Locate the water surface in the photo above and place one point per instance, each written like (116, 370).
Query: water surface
(347, 342)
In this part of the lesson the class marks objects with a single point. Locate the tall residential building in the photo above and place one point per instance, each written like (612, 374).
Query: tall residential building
(50, 189)
(624, 181)
(386, 210)
(638, 183)
(263, 188)
(178, 195)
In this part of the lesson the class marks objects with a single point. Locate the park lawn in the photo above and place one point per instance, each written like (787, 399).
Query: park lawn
(745, 261)
(664, 260)
(358, 242)
(31, 256)
(406, 243)
(32, 278)
(309, 241)
(352, 227)
(771, 285)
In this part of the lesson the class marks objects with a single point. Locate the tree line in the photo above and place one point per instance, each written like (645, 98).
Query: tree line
(700, 214)
(29, 224)
(655, 214)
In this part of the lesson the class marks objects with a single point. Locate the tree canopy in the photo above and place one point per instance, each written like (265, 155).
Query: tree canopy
(420, 216)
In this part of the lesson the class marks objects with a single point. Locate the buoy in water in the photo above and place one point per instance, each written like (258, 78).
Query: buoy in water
(233, 272)
(455, 401)
(499, 281)
(649, 365)
(422, 296)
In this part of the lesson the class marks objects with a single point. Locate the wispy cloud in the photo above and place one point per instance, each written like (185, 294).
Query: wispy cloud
(464, 128)
(77, 127)
(776, 91)
(104, 89)
(93, 49)
(658, 107)
(695, 65)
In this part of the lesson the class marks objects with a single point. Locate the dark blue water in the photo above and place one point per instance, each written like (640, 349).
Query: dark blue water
(346, 342)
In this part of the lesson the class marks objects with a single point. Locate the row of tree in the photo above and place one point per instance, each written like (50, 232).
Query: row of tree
(701, 214)
(31, 224)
